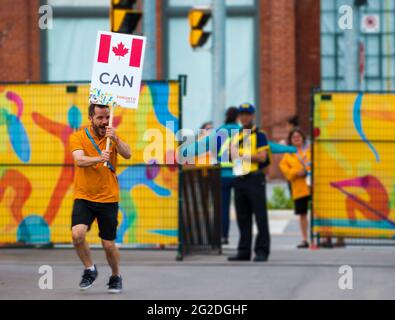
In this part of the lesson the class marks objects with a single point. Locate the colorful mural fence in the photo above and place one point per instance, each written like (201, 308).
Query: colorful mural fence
(36, 166)
(354, 165)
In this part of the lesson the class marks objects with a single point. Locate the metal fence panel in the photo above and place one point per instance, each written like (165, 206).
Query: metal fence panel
(354, 165)
(36, 166)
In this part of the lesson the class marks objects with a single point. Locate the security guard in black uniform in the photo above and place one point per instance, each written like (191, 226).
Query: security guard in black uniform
(251, 157)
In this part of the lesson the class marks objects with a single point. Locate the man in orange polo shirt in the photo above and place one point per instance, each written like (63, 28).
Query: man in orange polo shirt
(96, 193)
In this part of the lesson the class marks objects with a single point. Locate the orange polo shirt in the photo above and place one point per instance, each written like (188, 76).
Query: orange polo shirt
(96, 183)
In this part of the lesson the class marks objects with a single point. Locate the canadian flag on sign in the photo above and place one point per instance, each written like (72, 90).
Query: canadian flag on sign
(117, 69)
(107, 46)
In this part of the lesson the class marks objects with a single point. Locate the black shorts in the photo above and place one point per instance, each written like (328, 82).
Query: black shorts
(302, 206)
(85, 212)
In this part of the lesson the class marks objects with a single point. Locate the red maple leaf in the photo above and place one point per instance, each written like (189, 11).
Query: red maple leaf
(120, 50)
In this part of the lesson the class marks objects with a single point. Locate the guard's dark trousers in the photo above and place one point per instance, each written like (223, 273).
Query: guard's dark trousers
(250, 196)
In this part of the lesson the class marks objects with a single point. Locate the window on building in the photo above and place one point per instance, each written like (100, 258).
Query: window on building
(379, 71)
(71, 42)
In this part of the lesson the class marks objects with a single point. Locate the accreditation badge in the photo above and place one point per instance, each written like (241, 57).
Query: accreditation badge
(238, 168)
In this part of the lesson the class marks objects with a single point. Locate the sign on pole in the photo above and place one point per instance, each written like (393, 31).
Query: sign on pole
(117, 69)
(370, 23)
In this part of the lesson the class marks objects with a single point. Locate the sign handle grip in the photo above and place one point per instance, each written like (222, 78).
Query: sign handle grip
(110, 125)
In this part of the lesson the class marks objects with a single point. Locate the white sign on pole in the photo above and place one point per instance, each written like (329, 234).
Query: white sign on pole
(117, 69)
(370, 23)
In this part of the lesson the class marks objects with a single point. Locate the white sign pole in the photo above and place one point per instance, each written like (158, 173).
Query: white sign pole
(112, 111)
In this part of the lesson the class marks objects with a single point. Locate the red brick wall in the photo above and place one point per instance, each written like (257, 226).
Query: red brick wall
(277, 69)
(308, 66)
(289, 64)
(19, 40)
(277, 65)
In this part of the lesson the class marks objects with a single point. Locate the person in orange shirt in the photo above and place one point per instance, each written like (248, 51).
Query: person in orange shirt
(297, 169)
(96, 193)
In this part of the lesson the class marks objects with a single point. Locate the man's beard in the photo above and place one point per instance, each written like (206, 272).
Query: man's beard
(99, 130)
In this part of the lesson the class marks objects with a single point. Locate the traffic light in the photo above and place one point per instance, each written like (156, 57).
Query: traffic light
(198, 19)
(124, 16)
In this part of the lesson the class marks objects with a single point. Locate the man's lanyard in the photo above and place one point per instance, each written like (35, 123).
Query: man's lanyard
(110, 166)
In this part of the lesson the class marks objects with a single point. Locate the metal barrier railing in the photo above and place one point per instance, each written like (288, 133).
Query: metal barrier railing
(200, 223)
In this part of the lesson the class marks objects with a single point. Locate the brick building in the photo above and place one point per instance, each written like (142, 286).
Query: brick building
(20, 46)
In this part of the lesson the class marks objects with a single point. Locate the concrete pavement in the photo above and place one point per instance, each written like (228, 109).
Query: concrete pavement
(151, 275)
(290, 274)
